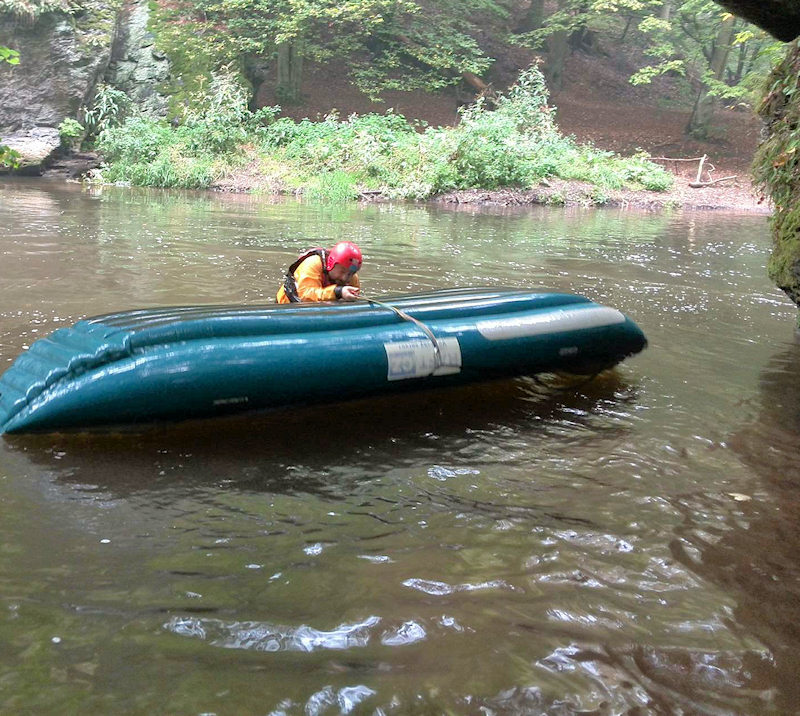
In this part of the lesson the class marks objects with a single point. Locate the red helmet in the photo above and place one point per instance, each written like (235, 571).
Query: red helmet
(347, 253)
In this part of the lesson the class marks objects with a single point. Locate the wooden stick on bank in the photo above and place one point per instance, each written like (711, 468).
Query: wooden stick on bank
(697, 183)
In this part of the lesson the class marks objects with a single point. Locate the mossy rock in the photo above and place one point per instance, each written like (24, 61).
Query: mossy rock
(777, 169)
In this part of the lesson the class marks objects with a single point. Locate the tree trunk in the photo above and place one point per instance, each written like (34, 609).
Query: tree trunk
(557, 51)
(533, 18)
(481, 88)
(290, 72)
(700, 121)
(736, 77)
(628, 24)
(666, 10)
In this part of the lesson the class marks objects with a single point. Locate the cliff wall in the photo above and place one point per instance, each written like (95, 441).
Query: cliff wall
(777, 169)
(64, 56)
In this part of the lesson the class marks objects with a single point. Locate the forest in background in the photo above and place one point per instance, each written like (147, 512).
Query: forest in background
(229, 57)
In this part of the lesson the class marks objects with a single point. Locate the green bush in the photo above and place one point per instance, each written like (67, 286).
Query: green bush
(336, 186)
(108, 109)
(514, 144)
(9, 157)
(139, 139)
(148, 152)
(70, 129)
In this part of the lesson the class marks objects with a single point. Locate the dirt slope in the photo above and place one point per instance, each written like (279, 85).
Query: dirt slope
(597, 104)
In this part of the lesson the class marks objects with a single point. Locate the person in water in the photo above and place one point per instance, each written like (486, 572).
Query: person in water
(323, 275)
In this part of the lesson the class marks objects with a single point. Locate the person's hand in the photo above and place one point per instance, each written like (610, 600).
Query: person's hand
(350, 293)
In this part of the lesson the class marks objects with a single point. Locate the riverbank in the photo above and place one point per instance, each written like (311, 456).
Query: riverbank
(738, 197)
(735, 195)
(589, 112)
(579, 155)
(588, 159)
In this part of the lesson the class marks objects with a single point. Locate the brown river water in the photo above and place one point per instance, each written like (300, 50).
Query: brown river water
(630, 545)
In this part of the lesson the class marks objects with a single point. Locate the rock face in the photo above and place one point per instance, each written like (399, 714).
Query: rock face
(137, 67)
(61, 60)
(59, 67)
(780, 18)
(37, 147)
(777, 169)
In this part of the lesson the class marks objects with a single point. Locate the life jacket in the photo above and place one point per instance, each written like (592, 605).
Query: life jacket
(290, 285)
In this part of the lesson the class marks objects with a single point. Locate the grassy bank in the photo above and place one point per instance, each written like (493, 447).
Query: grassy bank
(514, 144)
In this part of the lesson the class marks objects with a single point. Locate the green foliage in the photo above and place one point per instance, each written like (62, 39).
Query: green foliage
(691, 38)
(386, 44)
(574, 15)
(609, 171)
(9, 157)
(336, 186)
(70, 129)
(510, 146)
(218, 119)
(645, 75)
(422, 49)
(517, 144)
(32, 10)
(139, 139)
(148, 151)
(9, 56)
(108, 109)
(195, 50)
(687, 42)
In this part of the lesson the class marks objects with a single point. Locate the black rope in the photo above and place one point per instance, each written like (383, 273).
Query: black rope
(573, 386)
(437, 349)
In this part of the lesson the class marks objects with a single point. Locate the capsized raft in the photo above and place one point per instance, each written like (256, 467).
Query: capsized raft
(184, 362)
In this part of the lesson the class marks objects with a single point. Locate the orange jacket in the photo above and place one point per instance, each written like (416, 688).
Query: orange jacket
(312, 282)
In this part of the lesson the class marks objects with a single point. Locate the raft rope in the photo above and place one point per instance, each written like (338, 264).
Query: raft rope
(583, 380)
(437, 348)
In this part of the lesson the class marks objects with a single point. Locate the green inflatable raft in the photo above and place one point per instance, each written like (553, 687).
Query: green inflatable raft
(195, 361)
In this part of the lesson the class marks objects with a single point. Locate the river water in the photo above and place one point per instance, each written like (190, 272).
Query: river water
(626, 546)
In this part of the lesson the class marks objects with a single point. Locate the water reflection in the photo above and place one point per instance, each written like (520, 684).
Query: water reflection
(627, 546)
(301, 450)
(754, 552)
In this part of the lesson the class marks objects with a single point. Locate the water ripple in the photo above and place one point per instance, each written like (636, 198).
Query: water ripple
(440, 589)
(407, 633)
(259, 636)
(345, 699)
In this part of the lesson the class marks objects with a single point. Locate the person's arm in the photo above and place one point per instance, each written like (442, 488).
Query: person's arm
(351, 291)
(309, 280)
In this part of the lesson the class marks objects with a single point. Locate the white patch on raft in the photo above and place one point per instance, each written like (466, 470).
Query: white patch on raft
(558, 321)
(417, 358)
